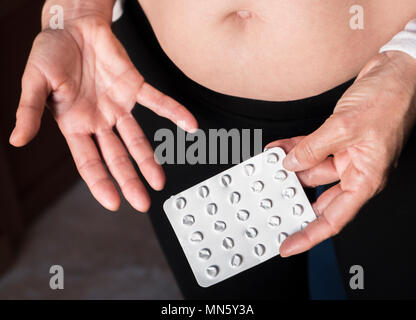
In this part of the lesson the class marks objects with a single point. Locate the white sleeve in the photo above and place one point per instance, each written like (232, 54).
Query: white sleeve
(404, 41)
(118, 10)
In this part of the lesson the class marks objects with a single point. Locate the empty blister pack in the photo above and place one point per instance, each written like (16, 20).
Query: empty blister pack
(238, 218)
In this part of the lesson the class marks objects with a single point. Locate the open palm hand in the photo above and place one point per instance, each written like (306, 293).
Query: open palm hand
(90, 85)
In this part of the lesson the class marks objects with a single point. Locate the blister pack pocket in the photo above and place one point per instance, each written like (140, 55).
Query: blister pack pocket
(238, 218)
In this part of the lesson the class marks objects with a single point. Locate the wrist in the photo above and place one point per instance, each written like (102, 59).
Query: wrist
(405, 70)
(405, 64)
(77, 9)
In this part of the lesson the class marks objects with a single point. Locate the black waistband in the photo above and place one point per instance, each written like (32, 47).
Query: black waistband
(161, 72)
(319, 106)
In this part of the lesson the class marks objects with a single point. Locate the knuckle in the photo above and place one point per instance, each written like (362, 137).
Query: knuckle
(373, 135)
(143, 161)
(335, 229)
(119, 161)
(42, 37)
(136, 142)
(85, 166)
(306, 151)
(123, 117)
(161, 100)
(129, 183)
(344, 126)
(97, 182)
(332, 227)
(308, 178)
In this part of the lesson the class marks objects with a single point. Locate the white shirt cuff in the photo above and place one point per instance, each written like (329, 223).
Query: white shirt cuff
(118, 10)
(404, 41)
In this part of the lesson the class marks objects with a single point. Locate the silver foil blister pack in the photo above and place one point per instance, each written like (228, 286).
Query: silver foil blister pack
(238, 218)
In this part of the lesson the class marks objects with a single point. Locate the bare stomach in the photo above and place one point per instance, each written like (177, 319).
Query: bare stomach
(273, 49)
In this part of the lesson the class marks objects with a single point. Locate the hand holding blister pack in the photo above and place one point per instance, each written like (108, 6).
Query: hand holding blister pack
(238, 219)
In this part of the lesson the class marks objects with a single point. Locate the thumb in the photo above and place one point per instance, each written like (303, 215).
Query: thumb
(35, 91)
(316, 147)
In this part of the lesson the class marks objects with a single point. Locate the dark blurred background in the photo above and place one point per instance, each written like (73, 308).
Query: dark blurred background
(47, 215)
(24, 186)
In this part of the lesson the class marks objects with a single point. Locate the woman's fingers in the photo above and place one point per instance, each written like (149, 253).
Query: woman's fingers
(166, 107)
(35, 90)
(146, 95)
(321, 174)
(334, 208)
(92, 170)
(325, 199)
(340, 211)
(121, 168)
(317, 146)
(286, 144)
(141, 151)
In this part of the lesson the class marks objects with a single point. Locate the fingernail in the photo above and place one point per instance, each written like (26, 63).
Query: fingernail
(144, 211)
(265, 149)
(291, 163)
(283, 255)
(110, 206)
(185, 128)
(287, 252)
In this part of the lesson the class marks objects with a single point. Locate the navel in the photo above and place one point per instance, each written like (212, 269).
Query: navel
(244, 14)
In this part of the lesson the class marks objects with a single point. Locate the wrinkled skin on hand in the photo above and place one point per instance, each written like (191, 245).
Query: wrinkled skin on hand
(90, 85)
(357, 146)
